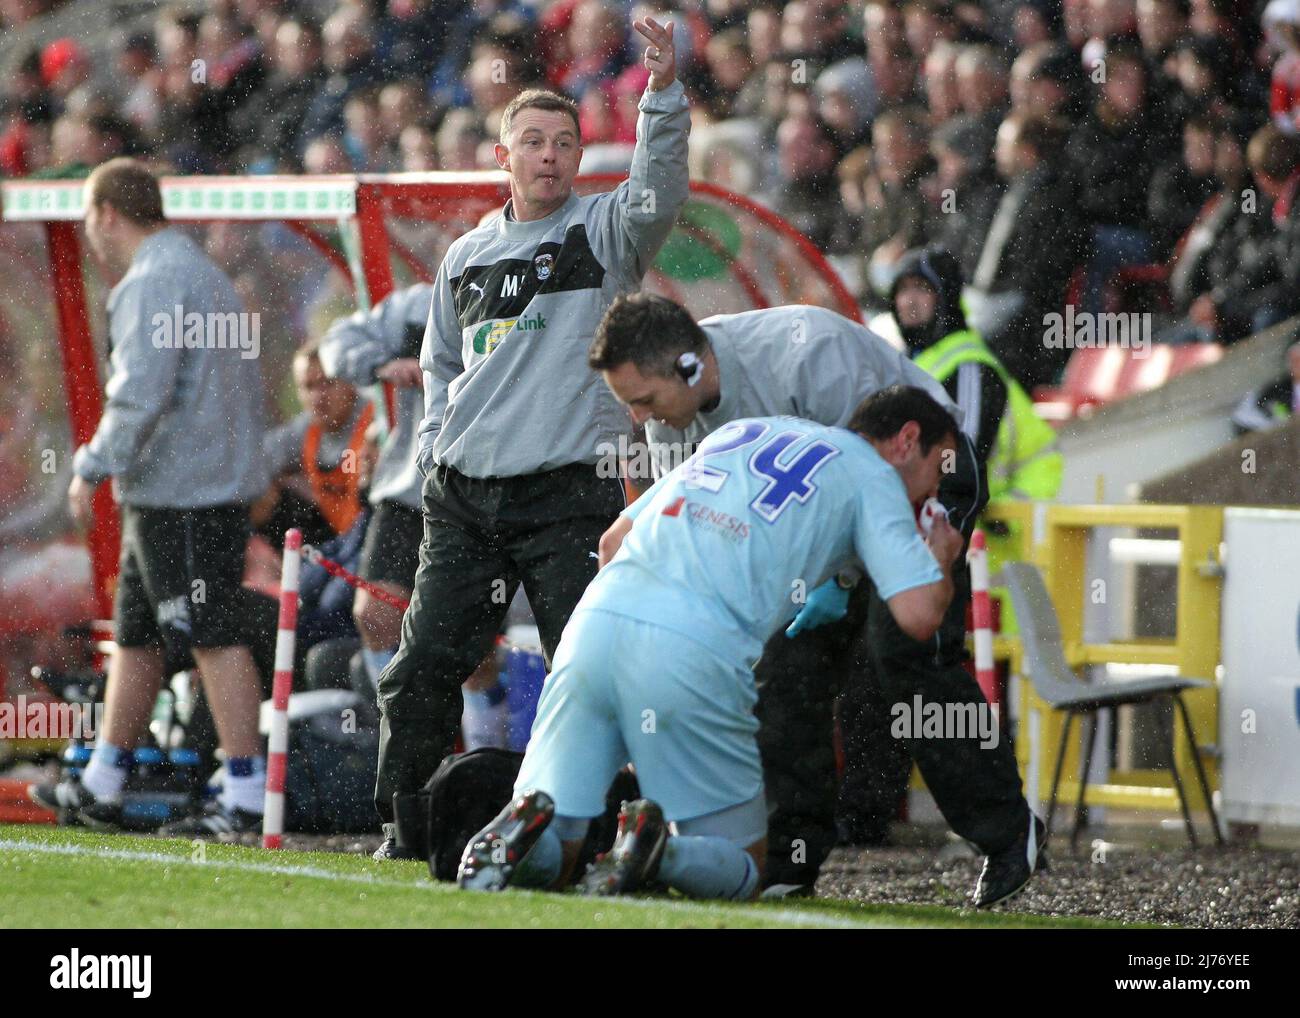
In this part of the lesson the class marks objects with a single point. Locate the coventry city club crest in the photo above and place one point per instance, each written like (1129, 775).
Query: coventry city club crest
(544, 264)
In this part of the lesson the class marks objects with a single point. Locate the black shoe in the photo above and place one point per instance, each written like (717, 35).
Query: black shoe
(490, 858)
(74, 804)
(634, 860)
(391, 847)
(213, 822)
(1006, 873)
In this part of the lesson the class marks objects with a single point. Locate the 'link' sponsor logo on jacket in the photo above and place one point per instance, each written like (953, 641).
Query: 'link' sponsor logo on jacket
(484, 337)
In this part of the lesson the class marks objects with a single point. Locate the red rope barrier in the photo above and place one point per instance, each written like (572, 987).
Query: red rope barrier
(352, 579)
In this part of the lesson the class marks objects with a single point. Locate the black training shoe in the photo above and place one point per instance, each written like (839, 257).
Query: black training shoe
(638, 849)
(391, 847)
(213, 822)
(490, 858)
(74, 804)
(1006, 873)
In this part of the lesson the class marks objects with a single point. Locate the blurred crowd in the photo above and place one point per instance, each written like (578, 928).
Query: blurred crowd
(1122, 154)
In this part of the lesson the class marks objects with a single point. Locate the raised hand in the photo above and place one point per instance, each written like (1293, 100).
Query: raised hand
(660, 55)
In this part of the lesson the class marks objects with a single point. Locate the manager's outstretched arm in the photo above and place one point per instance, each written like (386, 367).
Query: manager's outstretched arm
(629, 225)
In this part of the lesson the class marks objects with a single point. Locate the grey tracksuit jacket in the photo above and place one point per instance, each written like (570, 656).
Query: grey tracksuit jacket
(184, 418)
(516, 305)
(354, 348)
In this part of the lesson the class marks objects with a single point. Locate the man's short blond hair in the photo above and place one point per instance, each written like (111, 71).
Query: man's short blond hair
(539, 99)
(130, 187)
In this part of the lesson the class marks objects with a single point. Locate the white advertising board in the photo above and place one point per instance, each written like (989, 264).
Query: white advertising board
(1259, 707)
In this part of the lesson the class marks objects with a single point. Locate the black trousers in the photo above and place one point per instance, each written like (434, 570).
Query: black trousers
(482, 537)
(869, 664)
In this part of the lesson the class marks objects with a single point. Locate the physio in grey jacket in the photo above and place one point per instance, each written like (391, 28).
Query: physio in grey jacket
(184, 418)
(800, 360)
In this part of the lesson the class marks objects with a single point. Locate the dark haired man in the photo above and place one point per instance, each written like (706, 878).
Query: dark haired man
(685, 380)
(181, 438)
(513, 416)
(765, 504)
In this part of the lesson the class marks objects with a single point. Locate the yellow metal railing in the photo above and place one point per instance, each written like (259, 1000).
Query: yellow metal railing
(1056, 539)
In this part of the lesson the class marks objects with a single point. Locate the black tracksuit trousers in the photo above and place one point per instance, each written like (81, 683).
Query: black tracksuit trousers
(482, 537)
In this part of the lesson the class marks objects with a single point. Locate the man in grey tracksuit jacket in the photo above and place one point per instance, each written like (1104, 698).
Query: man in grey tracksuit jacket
(513, 415)
(181, 438)
(365, 348)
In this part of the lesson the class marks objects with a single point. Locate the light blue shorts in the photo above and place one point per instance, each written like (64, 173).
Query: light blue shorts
(625, 690)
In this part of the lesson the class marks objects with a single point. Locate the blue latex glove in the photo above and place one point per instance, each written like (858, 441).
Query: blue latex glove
(828, 603)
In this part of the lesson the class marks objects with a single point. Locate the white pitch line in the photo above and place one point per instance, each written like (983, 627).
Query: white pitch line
(705, 911)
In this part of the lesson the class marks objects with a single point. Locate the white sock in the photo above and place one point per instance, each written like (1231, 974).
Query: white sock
(106, 772)
(376, 661)
(248, 791)
(484, 721)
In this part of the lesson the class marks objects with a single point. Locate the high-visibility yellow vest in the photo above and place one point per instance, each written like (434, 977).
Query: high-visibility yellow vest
(1024, 462)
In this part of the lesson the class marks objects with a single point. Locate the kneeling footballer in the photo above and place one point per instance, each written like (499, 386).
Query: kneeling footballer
(655, 666)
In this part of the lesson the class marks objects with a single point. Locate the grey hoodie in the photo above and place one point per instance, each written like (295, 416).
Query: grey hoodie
(184, 418)
(516, 305)
(354, 348)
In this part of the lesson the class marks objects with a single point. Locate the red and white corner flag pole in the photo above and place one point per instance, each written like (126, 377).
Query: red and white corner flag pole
(277, 754)
(982, 616)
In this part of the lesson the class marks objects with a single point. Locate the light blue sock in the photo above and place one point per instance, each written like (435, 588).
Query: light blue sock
(704, 866)
(376, 661)
(541, 866)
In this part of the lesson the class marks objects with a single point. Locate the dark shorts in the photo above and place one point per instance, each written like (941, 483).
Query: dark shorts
(181, 572)
(391, 553)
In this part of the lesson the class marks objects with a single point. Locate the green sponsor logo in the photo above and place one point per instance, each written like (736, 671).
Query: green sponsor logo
(488, 335)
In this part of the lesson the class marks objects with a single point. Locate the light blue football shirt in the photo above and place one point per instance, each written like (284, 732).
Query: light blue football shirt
(726, 547)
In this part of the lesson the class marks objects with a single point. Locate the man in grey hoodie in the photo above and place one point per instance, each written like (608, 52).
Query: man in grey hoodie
(513, 414)
(181, 439)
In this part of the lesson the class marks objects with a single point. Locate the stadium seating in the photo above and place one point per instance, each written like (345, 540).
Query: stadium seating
(1096, 376)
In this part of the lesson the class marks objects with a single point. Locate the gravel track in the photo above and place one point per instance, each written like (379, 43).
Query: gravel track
(1171, 885)
(1230, 888)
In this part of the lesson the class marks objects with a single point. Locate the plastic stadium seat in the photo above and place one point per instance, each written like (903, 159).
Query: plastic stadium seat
(1195, 355)
(1044, 665)
(1097, 376)
(1090, 377)
(1141, 374)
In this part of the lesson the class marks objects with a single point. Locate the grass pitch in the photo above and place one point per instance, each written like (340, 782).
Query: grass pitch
(57, 877)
